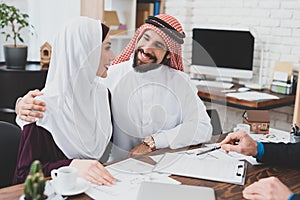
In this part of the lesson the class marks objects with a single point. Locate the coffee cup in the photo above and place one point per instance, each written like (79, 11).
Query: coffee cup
(64, 177)
(244, 127)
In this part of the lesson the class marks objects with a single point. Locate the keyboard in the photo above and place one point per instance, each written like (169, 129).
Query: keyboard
(216, 84)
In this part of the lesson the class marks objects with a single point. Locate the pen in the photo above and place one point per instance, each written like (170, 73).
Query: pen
(231, 90)
(209, 150)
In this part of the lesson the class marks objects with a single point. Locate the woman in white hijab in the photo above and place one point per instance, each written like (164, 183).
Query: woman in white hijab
(76, 127)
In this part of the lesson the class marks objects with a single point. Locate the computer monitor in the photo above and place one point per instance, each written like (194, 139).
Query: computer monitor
(222, 53)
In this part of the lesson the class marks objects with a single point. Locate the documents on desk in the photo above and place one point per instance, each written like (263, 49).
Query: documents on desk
(129, 173)
(218, 154)
(131, 166)
(230, 171)
(274, 136)
(251, 96)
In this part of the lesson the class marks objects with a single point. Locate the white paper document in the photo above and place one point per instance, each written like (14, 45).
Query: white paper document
(230, 171)
(129, 173)
(157, 158)
(280, 76)
(251, 96)
(217, 154)
(274, 136)
(132, 166)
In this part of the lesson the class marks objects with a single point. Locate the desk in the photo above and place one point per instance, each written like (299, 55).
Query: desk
(215, 95)
(288, 176)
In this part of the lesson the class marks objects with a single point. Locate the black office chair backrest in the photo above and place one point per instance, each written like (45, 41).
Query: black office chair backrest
(10, 136)
(215, 121)
(14, 84)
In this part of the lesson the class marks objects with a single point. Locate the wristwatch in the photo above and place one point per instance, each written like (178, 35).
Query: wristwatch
(149, 141)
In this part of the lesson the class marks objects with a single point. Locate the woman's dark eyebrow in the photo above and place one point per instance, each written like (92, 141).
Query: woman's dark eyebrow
(107, 43)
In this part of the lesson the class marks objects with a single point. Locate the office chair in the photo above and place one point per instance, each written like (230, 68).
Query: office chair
(215, 121)
(10, 136)
(14, 84)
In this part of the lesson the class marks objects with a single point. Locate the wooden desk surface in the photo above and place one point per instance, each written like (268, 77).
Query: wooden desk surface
(288, 176)
(215, 95)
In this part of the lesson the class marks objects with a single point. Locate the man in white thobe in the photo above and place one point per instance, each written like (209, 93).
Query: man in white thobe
(154, 104)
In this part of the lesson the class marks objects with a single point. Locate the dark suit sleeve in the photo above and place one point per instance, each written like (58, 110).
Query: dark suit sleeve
(281, 154)
(296, 197)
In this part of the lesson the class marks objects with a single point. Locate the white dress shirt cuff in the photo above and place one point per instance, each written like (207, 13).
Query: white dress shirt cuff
(20, 122)
(160, 140)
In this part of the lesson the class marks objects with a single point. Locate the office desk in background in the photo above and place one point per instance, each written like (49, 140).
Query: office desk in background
(15, 83)
(223, 191)
(215, 95)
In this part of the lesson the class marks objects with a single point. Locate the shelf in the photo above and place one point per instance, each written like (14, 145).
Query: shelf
(126, 10)
(30, 66)
(127, 14)
(120, 37)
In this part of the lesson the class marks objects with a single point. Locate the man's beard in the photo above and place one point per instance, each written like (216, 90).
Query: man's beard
(138, 66)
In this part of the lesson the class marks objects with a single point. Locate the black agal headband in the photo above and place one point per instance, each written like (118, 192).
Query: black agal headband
(166, 28)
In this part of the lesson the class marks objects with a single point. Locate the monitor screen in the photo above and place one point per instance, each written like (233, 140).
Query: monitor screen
(224, 49)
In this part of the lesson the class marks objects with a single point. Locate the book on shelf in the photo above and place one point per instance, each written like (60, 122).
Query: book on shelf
(147, 8)
(156, 7)
(143, 11)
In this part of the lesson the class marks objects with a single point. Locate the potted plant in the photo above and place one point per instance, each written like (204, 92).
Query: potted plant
(15, 21)
(35, 183)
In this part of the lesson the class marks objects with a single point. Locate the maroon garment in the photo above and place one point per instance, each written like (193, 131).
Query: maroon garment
(37, 144)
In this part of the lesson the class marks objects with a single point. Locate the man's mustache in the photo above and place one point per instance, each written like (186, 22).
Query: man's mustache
(145, 67)
(147, 54)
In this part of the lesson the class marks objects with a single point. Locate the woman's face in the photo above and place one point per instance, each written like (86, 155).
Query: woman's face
(106, 57)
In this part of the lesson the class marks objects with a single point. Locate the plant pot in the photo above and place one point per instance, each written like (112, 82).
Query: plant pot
(15, 57)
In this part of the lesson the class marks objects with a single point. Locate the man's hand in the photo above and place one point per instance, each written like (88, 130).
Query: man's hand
(27, 107)
(240, 142)
(140, 150)
(93, 171)
(267, 188)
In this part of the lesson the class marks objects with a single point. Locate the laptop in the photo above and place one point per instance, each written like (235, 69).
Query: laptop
(162, 191)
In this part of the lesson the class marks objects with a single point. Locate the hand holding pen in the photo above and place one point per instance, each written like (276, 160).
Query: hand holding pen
(239, 142)
(209, 150)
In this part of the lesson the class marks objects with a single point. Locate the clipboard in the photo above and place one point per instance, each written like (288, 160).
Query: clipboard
(229, 171)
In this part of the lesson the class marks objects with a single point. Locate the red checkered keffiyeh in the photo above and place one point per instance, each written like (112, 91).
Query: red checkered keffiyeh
(171, 33)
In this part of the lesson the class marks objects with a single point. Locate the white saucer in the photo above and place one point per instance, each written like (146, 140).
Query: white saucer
(80, 187)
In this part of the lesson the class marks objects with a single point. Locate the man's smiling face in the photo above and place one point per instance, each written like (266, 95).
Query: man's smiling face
(150, 49)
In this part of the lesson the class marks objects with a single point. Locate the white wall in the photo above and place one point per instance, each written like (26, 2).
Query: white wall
(47, 17)
(275, 22)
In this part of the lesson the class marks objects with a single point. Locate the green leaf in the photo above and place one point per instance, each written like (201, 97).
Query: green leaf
(12, 18)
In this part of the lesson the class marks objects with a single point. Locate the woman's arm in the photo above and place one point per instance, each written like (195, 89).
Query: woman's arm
(37, 144)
